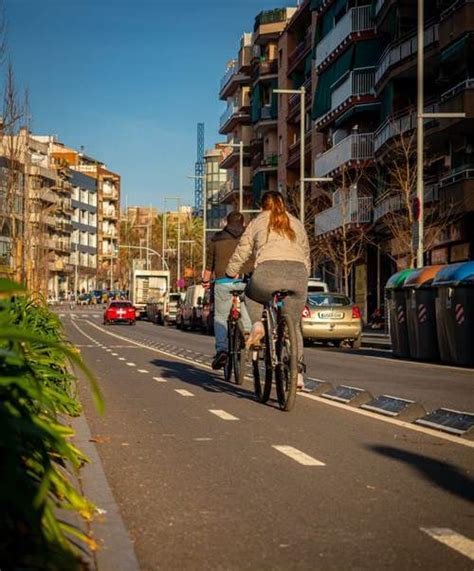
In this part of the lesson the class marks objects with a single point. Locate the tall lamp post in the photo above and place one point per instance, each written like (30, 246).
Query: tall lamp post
(302, 93)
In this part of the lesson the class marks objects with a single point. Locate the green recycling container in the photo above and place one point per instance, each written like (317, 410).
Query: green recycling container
(421, 313)
(397, 313)
(454, 286)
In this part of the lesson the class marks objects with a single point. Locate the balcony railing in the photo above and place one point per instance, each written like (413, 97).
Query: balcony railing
(231, 70)
(460, 87)
(354, 210)
(354, 21)
(359, 82)
(397, 202)
(399, 124)
(353, 148)
(300, 49)
(294, 150)
(403, 49)
(268, 67)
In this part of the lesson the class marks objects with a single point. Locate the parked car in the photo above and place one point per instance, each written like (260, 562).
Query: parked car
(316, 286)
(332, 317)
(191, 308)
(120, 312)
(172, 308)
(207, 316)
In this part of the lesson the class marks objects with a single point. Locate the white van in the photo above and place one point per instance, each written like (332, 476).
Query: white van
(317, 286)
(191, 308)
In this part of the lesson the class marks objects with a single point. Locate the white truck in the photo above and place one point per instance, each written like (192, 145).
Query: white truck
(148, 285)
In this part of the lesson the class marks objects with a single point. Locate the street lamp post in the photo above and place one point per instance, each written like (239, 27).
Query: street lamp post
(204, 218)
(302, 93)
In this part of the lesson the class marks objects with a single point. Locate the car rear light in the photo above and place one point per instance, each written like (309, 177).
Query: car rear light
(306, 312)
(356, 312)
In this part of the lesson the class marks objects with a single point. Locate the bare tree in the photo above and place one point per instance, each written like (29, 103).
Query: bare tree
(399, 174)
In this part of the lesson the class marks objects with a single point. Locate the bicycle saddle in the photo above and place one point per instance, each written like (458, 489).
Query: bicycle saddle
(282, 293)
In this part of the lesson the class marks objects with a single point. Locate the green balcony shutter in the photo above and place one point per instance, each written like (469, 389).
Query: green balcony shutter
(256, 103)
(274, 102)
(367, 53)
(322, 97)
(308, 64)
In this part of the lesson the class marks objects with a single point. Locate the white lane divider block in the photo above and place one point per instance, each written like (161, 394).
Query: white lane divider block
(297, 455)
(142, 370)
(223, 414)
(131, 365)
(184, 393)
(160, 380)
(452, 539)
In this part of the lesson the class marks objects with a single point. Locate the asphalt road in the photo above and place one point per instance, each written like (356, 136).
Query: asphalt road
(207, 478)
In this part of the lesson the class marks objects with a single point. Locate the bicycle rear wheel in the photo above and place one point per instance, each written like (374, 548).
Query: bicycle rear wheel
(263, 386)
(286, 371)
(230, 344)
(238, 355)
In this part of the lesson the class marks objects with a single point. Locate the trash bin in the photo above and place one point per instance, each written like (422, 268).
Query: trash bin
(397, 313)
(421, 313)
(454, 286)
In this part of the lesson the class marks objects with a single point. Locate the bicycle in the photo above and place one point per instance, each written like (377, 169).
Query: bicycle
(236, 357)
(279, 352)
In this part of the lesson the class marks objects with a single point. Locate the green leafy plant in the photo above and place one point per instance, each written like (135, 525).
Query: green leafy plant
(37, 457)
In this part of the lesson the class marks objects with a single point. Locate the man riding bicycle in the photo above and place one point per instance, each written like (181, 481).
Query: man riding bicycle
(221, 248)
(280, 245)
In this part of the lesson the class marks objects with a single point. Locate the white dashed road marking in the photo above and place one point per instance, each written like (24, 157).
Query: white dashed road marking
(142, 371)
(452, 539)
(160, 380)
(184, 393)
(131, 364)
(114, 354)
(297, 455)
(223, 414)
(122, 359)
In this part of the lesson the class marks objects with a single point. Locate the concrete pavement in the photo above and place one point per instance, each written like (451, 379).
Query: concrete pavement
(205, 477)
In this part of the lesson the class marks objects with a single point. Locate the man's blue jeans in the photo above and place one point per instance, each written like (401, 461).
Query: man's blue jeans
(222, 305)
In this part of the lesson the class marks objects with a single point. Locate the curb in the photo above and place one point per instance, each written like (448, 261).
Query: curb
(116, 551)
(376, 341)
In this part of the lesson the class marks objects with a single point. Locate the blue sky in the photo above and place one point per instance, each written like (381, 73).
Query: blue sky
(129, 79)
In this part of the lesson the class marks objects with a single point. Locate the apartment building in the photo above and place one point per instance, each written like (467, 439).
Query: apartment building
(251, 116)
(215, 180)
(364, 107)
(84, 240)
(108, 210)
(235, 123)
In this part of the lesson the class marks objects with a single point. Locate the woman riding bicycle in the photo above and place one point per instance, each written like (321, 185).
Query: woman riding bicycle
(280, 246)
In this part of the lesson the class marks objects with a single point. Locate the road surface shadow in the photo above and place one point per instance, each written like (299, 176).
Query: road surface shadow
(445, 475)
(196, 377)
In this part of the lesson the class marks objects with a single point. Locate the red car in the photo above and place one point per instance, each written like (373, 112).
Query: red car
(120, 312)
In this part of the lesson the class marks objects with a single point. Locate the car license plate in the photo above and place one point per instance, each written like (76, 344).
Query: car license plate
(330, 315)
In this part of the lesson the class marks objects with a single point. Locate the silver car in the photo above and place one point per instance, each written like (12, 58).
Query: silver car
(332, 317)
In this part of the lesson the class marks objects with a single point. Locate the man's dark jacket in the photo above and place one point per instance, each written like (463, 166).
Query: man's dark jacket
(222, 247)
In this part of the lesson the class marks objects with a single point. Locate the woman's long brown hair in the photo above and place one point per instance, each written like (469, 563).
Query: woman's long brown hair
(279, 219)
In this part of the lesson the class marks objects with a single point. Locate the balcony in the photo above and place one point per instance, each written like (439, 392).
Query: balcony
(358, 85)
(236, 74)
(231, 71)
(403, 49)
(401, 123)
(267, 67)
(353, 210)
(355, 21)
(300, 51)
(294, 151)
(294, 101)
(109, 213)
(354, 148)
(267, 162)
(271, 23)
(231, 116)
(395, 202)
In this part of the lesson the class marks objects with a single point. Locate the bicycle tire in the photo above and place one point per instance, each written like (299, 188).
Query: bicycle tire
(228, 365)
(263, 389)
(239, 359)
(286, 370)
